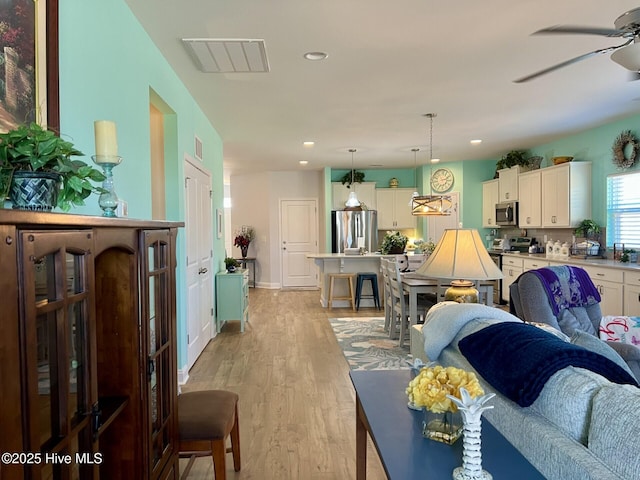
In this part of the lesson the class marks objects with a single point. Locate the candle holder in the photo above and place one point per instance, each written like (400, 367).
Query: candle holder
(108, 200)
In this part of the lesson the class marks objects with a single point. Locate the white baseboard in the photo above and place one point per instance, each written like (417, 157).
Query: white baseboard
(183, 376)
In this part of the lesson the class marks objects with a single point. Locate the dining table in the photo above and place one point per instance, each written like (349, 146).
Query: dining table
(413, 285)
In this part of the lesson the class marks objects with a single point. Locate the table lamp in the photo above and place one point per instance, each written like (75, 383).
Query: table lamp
(461, 256)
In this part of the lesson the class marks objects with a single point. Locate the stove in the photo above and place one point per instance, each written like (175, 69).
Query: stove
(496, 256)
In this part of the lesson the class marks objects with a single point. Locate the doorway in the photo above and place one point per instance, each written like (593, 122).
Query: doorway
(298, 237)
(199, 252)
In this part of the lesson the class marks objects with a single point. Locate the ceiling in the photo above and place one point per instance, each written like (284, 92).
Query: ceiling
(389, 63)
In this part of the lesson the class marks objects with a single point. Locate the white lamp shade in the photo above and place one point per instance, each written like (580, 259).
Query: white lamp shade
(460, 254)
(352, 201)
(628, 57)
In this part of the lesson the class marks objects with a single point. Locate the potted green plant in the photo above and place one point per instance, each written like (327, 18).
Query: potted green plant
(347, 179)
(587, 228)
(38, 173)
(629, 255)
(231, 264)
(393, 242)
(513, 158)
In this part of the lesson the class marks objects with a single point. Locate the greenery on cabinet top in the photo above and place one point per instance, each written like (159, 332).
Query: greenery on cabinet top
(380, 176)
(406, 178)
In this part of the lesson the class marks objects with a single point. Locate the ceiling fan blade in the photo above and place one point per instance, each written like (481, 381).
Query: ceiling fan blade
(576, 29)
(567, 63)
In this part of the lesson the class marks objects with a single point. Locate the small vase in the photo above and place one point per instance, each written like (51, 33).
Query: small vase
(443, 427)
(244, 250)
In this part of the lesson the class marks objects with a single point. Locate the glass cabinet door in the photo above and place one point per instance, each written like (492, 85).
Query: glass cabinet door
(158, 307)
(58, 298)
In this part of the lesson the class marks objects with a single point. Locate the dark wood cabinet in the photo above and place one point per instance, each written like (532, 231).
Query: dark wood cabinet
(88, 367)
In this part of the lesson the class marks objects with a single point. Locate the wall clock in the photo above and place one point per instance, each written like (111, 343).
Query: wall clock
(442, 180)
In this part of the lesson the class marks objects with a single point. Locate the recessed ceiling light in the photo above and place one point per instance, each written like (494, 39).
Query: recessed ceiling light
(308, 144)
(315, 56)
(303, 162)
(435, 160)
(476, 142)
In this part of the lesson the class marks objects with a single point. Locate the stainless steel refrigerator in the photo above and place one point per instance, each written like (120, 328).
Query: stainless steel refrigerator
(354, 229)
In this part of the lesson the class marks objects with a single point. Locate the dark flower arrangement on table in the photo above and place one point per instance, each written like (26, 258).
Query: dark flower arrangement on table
(244, 236)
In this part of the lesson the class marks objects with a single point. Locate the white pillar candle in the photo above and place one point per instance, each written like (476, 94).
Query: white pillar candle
(106, 141)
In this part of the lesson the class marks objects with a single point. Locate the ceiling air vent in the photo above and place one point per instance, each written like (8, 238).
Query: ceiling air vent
(228, 55)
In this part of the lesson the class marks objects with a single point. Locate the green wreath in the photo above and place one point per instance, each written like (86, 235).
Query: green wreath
(622, 141)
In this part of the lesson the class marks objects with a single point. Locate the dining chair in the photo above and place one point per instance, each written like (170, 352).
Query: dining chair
(400, 320)
(386, 295)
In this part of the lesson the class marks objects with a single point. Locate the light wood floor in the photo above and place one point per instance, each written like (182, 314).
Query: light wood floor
(297, 403)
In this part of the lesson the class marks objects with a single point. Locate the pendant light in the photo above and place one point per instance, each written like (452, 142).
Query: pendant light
(415, 176)
(431, 204)
(352, 202)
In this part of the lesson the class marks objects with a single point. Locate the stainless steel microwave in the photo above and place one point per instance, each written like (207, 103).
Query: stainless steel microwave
(507, 214)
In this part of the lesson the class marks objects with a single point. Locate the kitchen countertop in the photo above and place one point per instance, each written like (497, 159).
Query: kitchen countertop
(342, 255)
(366, 255)
(596, 262)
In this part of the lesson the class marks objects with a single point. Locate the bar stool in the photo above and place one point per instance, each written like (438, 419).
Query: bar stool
(373, 278)
(205, 419)
(349, 277)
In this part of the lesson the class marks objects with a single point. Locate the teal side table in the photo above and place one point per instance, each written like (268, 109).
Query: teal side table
(232, 297)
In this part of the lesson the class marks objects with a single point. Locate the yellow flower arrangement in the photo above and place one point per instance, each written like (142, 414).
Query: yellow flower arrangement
(431, 386)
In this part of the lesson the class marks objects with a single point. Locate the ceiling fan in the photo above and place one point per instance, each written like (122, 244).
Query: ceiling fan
(627, 26)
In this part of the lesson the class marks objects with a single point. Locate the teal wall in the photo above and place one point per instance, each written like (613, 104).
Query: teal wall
(592, 145)
(110, 70)
(381, 176)
(595, 146)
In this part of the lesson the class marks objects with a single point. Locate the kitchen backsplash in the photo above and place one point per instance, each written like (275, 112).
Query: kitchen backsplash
(542, 235)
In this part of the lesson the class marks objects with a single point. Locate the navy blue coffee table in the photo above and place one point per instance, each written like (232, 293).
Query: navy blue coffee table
(396, 431)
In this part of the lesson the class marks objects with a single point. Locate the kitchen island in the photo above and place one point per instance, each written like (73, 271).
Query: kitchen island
(341, 263)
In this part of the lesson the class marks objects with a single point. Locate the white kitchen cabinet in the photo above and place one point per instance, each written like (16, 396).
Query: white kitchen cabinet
(529, 201)
(566, 194)
(489, 200)
(533, 263)
(394, 212)
(512, 267)
(609, 283)
(508, 184)
(632, 294)
(365, 191)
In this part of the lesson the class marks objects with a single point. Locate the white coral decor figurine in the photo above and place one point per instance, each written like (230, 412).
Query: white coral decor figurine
(471, 409)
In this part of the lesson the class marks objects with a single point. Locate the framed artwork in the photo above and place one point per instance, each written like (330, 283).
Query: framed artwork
(29, 88)
(219, 222)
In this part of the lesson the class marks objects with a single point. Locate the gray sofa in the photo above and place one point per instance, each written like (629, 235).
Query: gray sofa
(581, 426)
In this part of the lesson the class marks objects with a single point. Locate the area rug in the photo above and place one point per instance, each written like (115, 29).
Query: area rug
(366, 345)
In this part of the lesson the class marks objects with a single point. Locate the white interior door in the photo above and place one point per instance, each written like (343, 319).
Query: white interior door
(299, 237)
(436, 225)
(199, 237)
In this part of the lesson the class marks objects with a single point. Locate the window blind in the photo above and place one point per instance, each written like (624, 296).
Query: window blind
(623, 210)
